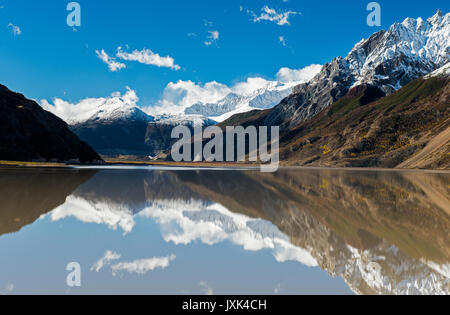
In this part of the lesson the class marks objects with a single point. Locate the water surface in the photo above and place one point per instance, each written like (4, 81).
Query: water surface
(223, 231)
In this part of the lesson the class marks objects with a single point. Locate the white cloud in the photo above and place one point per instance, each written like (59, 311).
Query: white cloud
(215, 224)
(251, 85)
(187, 221)
(177, 96)
(15, 29)
(105, 260)
(283, 41)
(305, 74)
(183, 94)
(148, 57)
(113, 65)
(213, 37)
(143, 266)
(86, 108)
(281, 18)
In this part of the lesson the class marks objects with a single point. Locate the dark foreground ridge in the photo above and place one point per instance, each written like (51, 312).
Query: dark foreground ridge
(29, 133)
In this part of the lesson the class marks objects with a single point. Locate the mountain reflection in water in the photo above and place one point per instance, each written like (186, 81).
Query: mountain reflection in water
(382, 232)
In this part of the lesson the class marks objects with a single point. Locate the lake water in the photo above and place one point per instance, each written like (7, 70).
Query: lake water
(181, 231)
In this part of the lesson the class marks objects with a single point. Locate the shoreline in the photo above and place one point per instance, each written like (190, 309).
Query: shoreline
(197, 165)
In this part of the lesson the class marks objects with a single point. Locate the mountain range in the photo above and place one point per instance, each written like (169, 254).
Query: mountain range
(378, 106)
(375, 68)
(119, 127)
(387, 60)
(263, 98)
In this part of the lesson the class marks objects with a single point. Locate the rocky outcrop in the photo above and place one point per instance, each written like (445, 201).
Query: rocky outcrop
(309, 99)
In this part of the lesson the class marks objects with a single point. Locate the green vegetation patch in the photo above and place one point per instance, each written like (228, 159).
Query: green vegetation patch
(414, 91)
(344, 106)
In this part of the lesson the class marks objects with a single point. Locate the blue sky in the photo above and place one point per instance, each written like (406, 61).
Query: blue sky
(49, 59)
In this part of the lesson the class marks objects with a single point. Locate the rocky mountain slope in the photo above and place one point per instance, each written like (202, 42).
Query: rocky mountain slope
(382, 133)
(119, 127)
(407, 129)
(388, 60)
(29, 133)
(234, 103)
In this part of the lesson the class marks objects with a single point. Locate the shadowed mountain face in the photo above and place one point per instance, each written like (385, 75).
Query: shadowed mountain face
(139, 136)
(29, 133)
(388, 60)
(382, 232)
(408, 129)
(28, 194)
(377, 107)
(119, 137)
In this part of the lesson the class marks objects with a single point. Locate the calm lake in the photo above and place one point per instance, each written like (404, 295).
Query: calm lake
(184, 231)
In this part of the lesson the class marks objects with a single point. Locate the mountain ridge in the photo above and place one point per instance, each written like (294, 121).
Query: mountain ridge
(29, 133)
(388, 59)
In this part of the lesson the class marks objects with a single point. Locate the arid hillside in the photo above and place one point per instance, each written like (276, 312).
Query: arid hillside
(407, 129)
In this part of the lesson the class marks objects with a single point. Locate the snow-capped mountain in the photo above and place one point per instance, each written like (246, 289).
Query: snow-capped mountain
(264, 98)
(104, 110)
(110, 113)
(408, 50)
(387, 60)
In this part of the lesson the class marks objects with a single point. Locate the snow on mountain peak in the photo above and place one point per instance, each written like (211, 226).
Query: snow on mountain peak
(411, 49)
(109, 109)
(388, 59)
(218, 101)
(255, 93)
